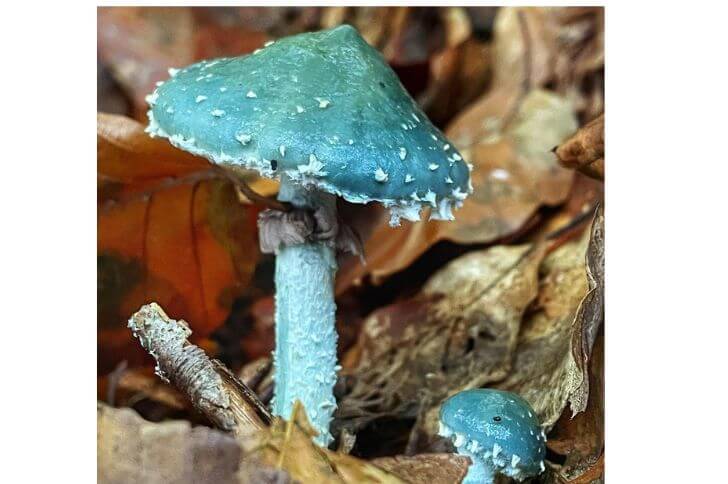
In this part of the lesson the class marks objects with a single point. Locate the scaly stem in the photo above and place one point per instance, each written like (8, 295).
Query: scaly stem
(478, 472)
(305, 354)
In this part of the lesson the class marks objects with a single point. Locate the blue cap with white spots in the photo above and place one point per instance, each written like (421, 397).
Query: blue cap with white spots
(325, 109)
(498, 428)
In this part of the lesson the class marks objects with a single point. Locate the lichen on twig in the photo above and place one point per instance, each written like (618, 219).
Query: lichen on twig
(209, 385)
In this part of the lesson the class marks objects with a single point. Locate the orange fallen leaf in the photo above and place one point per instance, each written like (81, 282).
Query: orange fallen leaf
(171, 230)
(124, 151)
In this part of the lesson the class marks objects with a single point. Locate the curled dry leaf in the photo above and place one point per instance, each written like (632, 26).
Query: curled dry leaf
(590, 315)
(585, 150)
(580, 438)
(131, 449)
(459, 332)
(170, 230)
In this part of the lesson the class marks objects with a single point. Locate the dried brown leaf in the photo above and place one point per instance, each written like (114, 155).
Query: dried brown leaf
(585, 194)
(584, 151)
(469, 328)
(404, 35)
(126, 154)
(562, 47)
(544, 370)
(463, 68)
(426, 468)
(459, 332)
(131, 449)
(287, 445)
(130, 386)
(514, 171)
(520, 57)
(580, 438)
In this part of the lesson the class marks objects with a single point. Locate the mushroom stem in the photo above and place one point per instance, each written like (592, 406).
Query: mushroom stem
(478, 472)
(305, 354)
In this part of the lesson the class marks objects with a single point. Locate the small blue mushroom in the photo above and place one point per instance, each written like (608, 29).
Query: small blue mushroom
(498, 430)
(285, 111)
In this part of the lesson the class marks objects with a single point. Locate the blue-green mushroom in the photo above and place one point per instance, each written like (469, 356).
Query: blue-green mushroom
(323, 113)
(498, 430)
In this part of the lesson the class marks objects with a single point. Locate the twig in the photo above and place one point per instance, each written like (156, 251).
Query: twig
(584, 216)
(114, 378)
(215, 172)
(209, 385)
(414, 435)
(252, 195)
(165, 183)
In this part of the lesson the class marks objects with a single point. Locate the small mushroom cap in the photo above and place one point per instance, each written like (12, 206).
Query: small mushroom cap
(504, 427)
(322, 107)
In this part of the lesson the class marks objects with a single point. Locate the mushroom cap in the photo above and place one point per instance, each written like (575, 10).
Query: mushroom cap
(498, 427)
(323, 108)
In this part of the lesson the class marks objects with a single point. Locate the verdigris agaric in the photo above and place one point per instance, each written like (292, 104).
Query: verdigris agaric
(498, 430)
(325, 114)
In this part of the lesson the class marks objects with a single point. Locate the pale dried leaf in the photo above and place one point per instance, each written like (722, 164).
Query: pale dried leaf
(460, 332)
(288, 445)
(544, 371)
(514, 171)
(131, 449)
(518, 54)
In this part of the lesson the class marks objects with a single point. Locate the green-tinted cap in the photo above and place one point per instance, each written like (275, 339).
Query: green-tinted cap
(322, 107)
